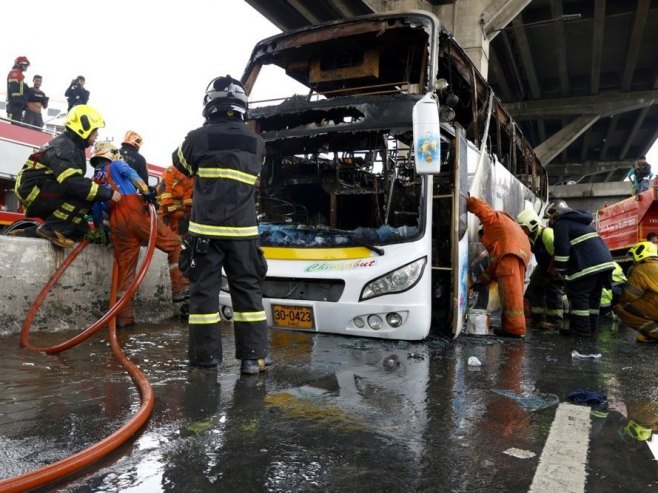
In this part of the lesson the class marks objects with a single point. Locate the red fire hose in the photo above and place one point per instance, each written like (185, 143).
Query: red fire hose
(75, 462)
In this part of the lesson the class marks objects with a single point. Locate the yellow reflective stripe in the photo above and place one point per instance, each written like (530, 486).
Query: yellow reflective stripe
(67, 174)
(67, 207)
(77, 220)
(93, 190)
(579, 313)
(232, 231)
(35, 164)
(557, 312)
(33, 195)
(537, 310)
(227, 173)
(173, 266)
(599, 414)
(582, 238)
(562, 258)
(249, 316)
(591, 270)
(60, 215)
(187, 201)
(165, 195)
(183, 161)
(593, 311)
(204, 318)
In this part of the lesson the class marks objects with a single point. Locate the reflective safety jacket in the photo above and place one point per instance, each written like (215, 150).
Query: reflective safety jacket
(61, 160)
(542, 243)
(501, 234)
(618, 282)
(177, 194)
(642, 288)
(16, 89)
(579, 250)
(225, 157)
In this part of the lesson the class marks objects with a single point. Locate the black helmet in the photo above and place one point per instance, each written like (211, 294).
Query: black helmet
(224, 94)
(555, 209)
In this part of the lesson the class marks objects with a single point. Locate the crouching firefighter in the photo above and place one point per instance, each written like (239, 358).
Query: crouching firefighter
(129, 224)
(638, 306)
(52, 184)
(225, 157)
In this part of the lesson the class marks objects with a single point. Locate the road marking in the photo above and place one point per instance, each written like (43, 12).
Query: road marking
(563, 460)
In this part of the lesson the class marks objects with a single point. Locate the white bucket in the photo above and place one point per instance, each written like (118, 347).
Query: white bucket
(478, 322)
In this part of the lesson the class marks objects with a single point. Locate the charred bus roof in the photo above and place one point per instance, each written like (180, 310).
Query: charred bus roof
(368, 72)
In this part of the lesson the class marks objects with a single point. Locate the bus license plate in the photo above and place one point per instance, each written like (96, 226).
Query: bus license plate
(293, 317)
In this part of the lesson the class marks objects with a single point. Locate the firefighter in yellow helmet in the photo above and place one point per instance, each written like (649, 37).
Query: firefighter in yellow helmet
(638, 306)
(52, 183)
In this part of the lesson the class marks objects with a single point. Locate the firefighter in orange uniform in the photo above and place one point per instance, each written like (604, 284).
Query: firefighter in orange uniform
(129, 223)
(176, 199)
(509, 254)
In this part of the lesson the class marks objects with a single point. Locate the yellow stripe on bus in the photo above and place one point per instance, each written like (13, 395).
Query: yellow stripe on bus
(344, 253)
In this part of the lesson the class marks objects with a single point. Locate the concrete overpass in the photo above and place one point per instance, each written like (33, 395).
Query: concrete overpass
(580, 76)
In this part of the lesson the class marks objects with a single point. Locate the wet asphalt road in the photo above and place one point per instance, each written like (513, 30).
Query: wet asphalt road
(334, 414)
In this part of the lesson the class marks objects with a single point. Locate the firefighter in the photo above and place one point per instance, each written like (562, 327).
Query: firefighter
(129, 224)
(545, 293)
(509, 254)
(616, 289)
(176, 199)
(17, 89)
(52, 184)
(226, 157)
(638, 306)
(132, 143)
(584, 262)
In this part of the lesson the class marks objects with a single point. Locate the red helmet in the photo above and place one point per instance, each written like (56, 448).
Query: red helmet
(21, 60)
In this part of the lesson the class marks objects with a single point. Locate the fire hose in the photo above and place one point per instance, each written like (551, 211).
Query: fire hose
(75, 462)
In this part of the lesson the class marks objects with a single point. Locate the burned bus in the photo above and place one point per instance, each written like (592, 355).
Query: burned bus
(361, 200)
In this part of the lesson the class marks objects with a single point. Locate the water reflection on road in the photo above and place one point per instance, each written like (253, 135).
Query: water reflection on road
(335, 413)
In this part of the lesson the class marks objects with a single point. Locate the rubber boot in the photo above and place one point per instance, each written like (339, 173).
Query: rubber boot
(204, 346)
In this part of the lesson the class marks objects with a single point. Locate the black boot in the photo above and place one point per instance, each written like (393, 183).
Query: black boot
(204, 346)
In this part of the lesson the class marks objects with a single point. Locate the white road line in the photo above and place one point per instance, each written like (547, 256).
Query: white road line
(562, 463)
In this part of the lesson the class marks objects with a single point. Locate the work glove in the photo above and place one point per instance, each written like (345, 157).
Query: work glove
(150, 198)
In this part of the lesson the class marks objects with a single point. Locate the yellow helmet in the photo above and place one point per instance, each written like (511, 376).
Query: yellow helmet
(103, 150)
(529, 219)
(83, 120)
(643, 250)
(133, 138)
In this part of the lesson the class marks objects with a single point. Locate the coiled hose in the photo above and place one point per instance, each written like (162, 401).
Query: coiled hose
(75, 462)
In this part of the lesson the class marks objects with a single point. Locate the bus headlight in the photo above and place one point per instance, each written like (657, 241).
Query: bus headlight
(395, 281)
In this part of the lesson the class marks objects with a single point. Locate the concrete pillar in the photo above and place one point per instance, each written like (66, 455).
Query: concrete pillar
(82, 294)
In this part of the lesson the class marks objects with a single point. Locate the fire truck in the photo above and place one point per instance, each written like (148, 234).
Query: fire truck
(628, 221)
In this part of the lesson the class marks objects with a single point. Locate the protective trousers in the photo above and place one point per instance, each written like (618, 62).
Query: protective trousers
(510, 275)
(545, 296)
(130, 227)
(584, 295)
(60, 213)
(245, 269)
(644, 320)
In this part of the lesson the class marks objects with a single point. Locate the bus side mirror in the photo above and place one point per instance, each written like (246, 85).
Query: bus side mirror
(427, 135)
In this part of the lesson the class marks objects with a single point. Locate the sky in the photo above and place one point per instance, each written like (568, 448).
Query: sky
(146, 71)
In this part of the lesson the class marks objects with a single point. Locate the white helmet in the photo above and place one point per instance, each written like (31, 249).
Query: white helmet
(529, 219)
